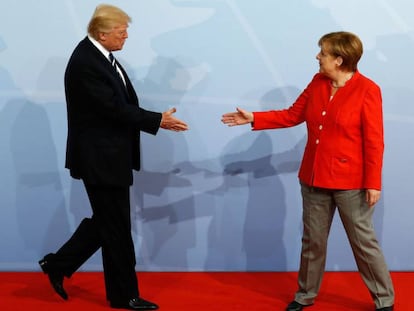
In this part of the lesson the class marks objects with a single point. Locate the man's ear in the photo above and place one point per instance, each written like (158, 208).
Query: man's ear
(102, 37)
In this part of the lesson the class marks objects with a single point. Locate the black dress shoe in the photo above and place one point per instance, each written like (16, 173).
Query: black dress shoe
(295, 306)
(135, 304)
(55, 278)
(390, 308)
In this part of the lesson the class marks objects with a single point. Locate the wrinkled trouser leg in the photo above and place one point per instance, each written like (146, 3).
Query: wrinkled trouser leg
(356, 216)
(318, 212)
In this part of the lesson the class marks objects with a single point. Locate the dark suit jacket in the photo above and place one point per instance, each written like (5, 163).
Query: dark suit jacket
(104, 120)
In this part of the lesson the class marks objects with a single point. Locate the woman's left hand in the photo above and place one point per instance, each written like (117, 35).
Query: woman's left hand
(372, 196)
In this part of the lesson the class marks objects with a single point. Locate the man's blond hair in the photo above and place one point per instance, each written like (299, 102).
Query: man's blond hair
(105, 18)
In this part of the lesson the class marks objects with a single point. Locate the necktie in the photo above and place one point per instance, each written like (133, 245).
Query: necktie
(113, 63)
(112, 59)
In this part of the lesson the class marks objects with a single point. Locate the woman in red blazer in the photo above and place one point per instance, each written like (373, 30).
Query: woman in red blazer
(341, 165)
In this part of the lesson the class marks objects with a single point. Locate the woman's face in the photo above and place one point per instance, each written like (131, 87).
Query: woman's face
(328, 64)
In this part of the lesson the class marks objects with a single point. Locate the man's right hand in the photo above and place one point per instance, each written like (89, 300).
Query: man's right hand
(169, 122)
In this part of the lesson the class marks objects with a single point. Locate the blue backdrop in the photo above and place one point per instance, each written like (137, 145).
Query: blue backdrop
(212, 198)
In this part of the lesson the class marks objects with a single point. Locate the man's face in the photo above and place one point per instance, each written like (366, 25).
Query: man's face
(115, 39)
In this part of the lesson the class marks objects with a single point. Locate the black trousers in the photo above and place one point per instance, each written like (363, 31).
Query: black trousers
(109, 228)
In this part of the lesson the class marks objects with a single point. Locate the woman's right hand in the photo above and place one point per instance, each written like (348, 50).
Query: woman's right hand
(240, 117)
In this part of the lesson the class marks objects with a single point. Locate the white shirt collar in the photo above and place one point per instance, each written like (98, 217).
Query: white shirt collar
(99, 46)
(105, 52)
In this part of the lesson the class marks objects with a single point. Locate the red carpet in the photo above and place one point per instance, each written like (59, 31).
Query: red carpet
(198, 291)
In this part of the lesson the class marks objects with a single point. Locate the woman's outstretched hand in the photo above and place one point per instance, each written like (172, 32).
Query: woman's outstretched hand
(240, 117)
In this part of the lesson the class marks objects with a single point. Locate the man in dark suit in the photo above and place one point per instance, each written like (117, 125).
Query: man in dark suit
(104, 123)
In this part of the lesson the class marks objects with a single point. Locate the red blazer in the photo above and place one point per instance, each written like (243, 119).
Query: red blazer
(345, 135)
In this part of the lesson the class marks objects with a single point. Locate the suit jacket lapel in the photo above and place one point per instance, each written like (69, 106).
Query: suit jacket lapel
(128, 88)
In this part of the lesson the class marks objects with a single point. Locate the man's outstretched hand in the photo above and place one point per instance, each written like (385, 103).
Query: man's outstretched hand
(169, 122)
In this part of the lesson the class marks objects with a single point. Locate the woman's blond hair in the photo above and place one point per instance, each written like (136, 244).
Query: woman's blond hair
(344, 44)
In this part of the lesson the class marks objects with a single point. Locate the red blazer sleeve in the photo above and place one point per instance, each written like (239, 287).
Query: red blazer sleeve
(373, 138)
